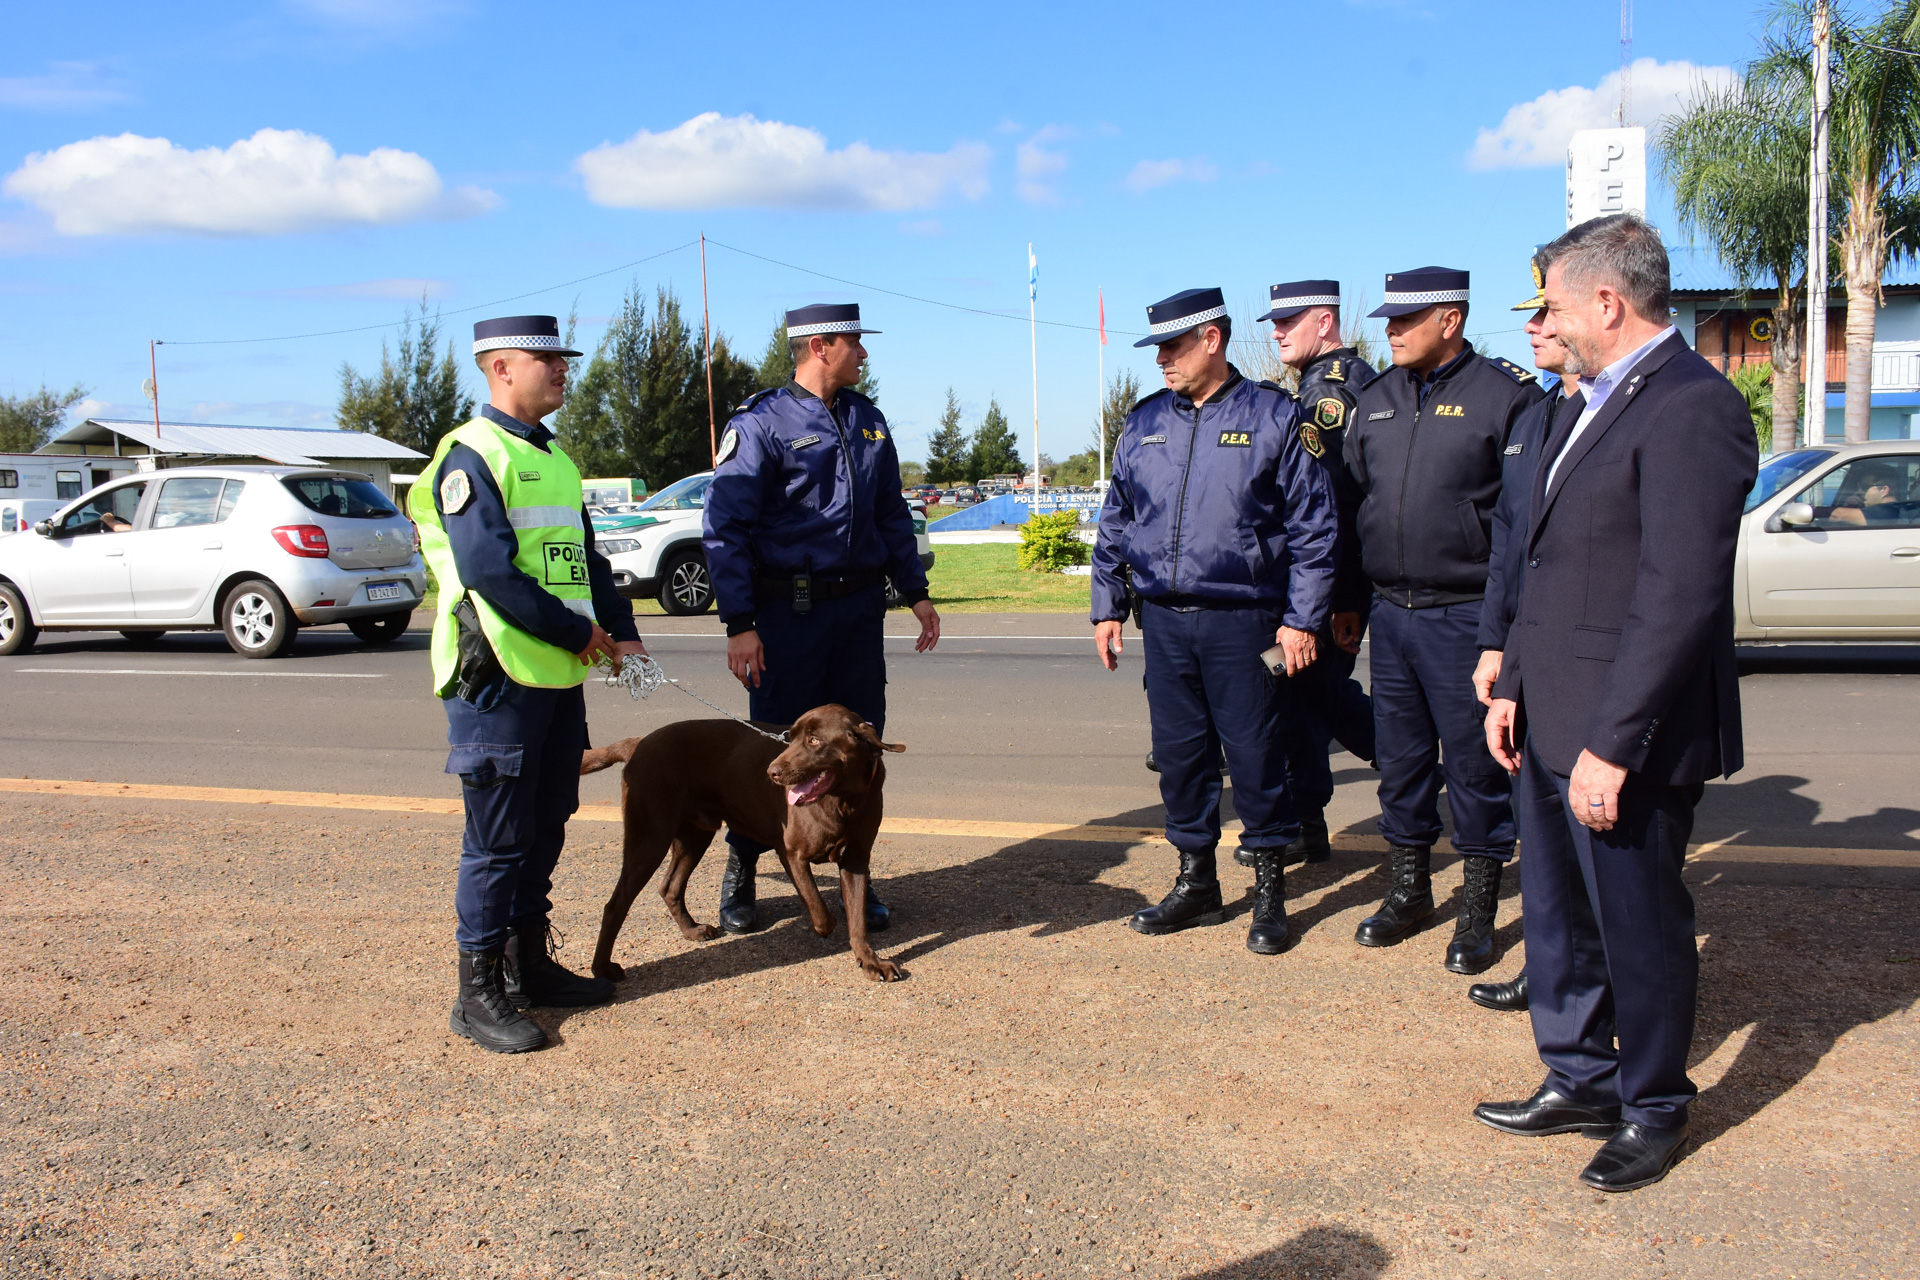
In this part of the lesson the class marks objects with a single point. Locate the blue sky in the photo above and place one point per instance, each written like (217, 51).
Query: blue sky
(478, 151)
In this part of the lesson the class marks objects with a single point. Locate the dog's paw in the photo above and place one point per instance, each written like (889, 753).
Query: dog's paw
(706, 933)
(880, 970)
(610, 971)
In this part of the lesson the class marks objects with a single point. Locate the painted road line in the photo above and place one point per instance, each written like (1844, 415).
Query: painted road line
(177, 671)
(592, 813)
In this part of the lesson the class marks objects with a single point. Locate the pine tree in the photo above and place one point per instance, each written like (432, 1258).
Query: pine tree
(995, 451)
(416, 397)
(949, 456)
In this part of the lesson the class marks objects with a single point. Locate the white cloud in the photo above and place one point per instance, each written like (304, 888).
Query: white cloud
(277, 181)
(1534, 135)
(1149, 174)
(67, 86)
(716, 162)
(1037, 165)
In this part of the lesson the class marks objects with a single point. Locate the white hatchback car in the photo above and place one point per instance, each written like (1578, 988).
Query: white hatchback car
(257, 552)
(1830, 547)
(655, 550)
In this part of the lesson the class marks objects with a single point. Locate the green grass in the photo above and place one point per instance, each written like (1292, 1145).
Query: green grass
(987, 578)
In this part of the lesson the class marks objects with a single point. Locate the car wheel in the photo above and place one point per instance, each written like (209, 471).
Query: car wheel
(17, 632)
(686, 588)
(143, 639)
(382, 628)
(257, 620)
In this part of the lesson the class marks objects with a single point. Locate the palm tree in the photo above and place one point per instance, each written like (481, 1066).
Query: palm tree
(1874, 140)
(1737, 161)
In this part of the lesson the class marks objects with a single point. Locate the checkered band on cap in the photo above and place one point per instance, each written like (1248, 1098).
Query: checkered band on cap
(1187, 322)
(1425, 298)
(520, 342)
(825, 326)
(1306, 300)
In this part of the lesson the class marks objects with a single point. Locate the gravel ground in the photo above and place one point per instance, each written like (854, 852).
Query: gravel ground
(225, 1053)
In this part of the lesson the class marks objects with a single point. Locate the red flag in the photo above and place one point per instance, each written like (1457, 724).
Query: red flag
(1103, 317)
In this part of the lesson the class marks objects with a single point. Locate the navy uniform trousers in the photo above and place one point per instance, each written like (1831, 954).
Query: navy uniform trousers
(519, 767)
(832, 653)
(1329, 706)
(1428, 724)
(1208, 692)
(1610, 945)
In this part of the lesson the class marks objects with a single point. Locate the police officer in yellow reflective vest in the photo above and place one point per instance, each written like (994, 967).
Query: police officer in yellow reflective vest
(526, 606)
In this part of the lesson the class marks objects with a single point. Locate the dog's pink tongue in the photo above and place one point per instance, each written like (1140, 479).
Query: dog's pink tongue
(808, 791)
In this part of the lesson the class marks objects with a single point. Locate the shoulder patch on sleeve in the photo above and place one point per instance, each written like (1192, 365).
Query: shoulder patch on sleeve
(1330, 414)
(456, 491)
(1512, 370)
(1310, 439)
(728, 443)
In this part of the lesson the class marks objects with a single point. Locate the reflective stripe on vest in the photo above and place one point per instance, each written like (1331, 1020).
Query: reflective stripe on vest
(552, 550)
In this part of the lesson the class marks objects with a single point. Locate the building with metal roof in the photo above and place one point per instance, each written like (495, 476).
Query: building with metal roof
(187, 444)
(1733, 326)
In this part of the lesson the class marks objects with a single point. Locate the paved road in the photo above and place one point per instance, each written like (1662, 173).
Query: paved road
(1010, 719)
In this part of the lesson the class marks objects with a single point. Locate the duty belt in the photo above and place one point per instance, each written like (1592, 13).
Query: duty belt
(802, 589)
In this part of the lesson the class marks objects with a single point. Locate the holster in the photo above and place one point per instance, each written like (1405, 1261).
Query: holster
(479, 665)
(1133, 596)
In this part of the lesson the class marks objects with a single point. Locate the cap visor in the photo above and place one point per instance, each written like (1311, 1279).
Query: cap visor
(1393, 309)
(1161, 339)
(1531, 304)
(1282, 313)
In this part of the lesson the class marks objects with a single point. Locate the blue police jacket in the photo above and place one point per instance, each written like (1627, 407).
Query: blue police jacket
(1218, 503)
(805, 487)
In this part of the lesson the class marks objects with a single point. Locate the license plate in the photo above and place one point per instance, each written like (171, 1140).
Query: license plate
(387, 591)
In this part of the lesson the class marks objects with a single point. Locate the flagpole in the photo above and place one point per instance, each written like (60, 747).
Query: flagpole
(1100, 401)
(1033, 338)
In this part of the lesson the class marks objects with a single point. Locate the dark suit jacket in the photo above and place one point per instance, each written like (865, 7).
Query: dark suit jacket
(1518, 462)
(1623, 643)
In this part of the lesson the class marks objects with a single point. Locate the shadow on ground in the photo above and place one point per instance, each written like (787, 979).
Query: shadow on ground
(1318, 1253)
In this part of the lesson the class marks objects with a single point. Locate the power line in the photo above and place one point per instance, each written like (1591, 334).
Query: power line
(478, 306)
(895, 293)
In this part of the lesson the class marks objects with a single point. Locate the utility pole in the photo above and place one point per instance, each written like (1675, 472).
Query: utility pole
(153, 381)
(1626, 63)
(1815, 430)
(706, 328)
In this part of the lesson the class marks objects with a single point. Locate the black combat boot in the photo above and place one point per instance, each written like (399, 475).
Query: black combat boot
(1501, 997)
(738, 914)
(1407, 903)
(535, 978)
(1313, 844)
(483, 1014)
(1471, 950)
(1195, 898)
(878, 917)
(1267, 935)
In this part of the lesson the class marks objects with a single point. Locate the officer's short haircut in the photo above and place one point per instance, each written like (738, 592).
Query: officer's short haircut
(1621, 251)
(799, 350)
(1224, 324)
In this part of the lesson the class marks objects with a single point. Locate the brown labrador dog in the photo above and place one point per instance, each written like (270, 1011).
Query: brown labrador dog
(818, 800)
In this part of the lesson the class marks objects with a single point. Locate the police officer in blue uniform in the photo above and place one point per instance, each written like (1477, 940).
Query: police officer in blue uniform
(1328, 703)
(516, 746)
(1519, 460)
(1228, 527)
(804, 526)
(1426, 448)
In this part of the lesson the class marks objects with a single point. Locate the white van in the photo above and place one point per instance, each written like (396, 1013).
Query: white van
(35, 485)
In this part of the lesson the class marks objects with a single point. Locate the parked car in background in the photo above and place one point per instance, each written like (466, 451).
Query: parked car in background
(256, 552)
(655, 548)
(1830, 546)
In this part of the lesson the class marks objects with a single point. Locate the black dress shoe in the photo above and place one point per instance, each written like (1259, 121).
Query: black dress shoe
(1635, 1156)
(1548, 1112)
(1501, 997)
(739, 912)
(878, 917)
(1311, 845)
(1195, 899)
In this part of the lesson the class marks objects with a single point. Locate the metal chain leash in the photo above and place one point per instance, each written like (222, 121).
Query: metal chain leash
(640, 676)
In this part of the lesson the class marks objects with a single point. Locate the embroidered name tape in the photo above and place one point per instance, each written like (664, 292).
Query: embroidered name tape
(804, 441)
(1513, 450)
(1375, 417)
(1154, 440)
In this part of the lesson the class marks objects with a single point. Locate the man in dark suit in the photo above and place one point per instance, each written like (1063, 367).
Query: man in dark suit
(1619, 679)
